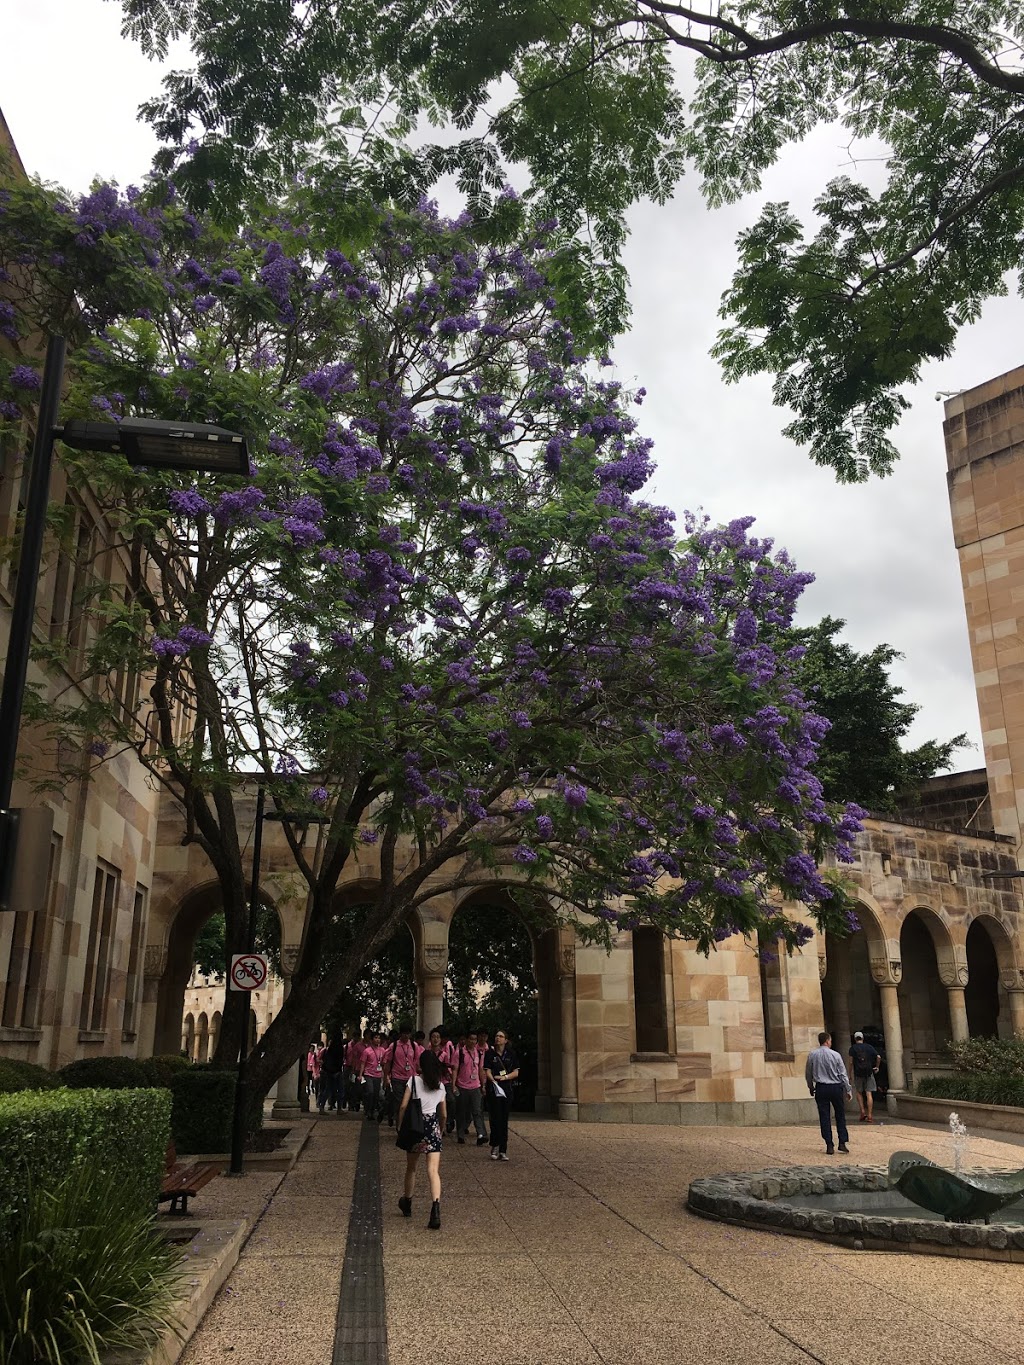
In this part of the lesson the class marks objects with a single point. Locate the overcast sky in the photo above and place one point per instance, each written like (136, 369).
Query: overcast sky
(882, 552)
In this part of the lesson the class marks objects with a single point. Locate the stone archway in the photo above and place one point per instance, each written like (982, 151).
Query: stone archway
(994, 994)
(930, 975)
(214, 1031)
(177, 959)
(188, 1036)
(203, 1039)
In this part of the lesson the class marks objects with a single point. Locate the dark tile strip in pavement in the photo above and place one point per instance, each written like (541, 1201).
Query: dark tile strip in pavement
(361, 1333)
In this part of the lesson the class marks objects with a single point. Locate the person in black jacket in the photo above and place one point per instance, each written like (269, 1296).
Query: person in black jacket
(501, 1071)
(332, 1076)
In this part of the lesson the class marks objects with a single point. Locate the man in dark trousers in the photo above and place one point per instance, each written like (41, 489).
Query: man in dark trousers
(864, 1062)
(828, 1082)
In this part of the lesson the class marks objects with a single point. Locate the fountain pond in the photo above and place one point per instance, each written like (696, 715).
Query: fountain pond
(911, 1205)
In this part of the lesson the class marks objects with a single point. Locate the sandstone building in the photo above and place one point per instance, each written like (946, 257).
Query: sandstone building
(653, 1031)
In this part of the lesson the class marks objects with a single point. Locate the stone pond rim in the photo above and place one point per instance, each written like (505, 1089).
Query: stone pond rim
(758, 1199)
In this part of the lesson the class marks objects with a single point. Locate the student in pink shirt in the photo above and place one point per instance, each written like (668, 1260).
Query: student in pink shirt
(371, 1074)
(399, 1065)
(353, 1068)
(468, 1091)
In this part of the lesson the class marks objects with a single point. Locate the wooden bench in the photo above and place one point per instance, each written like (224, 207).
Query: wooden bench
(180, 1183)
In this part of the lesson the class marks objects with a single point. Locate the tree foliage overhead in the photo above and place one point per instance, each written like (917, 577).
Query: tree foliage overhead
(861, 758)
(435, 619)
(591, 98)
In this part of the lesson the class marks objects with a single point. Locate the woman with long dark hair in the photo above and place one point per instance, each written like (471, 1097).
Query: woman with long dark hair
(501, 1068)
(430, 1091)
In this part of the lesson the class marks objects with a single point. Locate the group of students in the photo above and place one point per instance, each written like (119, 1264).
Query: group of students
(454, 1079)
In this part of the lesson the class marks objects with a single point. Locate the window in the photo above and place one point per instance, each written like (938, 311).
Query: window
(649, 1003)
(26, 960)
(778, 1036)
(95, 988)
(133, 983)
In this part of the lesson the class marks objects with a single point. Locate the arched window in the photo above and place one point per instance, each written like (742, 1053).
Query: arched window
(649, 1003)
(778, 1035)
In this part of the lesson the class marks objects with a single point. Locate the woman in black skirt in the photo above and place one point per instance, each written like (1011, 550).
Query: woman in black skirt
(501, 1069)
(430, 1092)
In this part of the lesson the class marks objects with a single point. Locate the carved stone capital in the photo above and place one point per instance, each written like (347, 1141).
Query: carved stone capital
(567, 959)
(953, 975)
(1012, 979)
(154, 962)
(886, 971)
(434, 959)
(289, 958)
(822, 966)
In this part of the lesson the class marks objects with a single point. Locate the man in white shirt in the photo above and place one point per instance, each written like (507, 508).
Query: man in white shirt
(828, 1082)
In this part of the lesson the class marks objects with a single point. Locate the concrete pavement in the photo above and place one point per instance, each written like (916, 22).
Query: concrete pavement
(582, 1253)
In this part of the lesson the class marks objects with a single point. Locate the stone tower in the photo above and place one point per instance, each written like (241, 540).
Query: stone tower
(984, 430)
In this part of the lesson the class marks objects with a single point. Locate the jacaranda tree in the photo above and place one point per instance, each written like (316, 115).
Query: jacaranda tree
(437, 612)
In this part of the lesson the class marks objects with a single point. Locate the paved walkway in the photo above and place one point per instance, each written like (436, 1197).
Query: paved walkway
(581, 1253)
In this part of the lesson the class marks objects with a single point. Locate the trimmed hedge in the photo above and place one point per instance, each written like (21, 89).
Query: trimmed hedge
(976, 1087)
(43, 1135)
(203, 1098)
(16, 1075)
(204, 1105)
(105, 1073)
(989, 1056)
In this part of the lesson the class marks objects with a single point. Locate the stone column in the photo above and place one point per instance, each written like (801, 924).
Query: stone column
(893, 1030)
(286, 1093)
(1016, 997)
(542, 1100)
(839, 1024)
(568, 1101)
(958, 1025)
(430, 1001)
(154, 965)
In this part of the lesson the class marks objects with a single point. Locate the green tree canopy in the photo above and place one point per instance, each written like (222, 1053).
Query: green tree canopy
(862, 757)
(591, 99)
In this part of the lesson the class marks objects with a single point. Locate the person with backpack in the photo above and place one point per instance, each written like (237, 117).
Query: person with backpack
(428, 1088)
(864, 1063)
(399, 1065)
(468, 1091)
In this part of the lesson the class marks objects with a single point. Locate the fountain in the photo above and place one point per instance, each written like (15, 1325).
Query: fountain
(912, 1204)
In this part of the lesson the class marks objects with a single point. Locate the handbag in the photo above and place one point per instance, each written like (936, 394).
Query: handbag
(412, 1129)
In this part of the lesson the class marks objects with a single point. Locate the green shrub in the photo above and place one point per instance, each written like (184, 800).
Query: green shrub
(45, 1134)
(204, 1103)
(162, 1070)
(15, 1075)
(83, 1271)
(997, 1056)
(105, 1073)
(976, 1088)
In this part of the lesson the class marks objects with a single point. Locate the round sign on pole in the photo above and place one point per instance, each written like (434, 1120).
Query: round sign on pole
(248, 972)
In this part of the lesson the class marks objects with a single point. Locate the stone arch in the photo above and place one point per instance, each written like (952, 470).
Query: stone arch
(215, 1023)
(202, 1038)
(552, 964)
(188, 1035)
(854, 967)
(991, 968)
(930, 969)
(183, 924)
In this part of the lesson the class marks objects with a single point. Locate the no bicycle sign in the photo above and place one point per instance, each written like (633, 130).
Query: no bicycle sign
(248, 972)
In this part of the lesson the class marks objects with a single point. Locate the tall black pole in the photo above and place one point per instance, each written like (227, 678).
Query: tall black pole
(241, 1115)
(23, 612)
(19, 644)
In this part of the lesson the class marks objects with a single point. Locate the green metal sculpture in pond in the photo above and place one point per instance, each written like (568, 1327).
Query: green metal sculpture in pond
(959, 1197)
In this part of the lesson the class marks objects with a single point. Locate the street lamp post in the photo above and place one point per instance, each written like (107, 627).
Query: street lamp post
(240, 1118)
(142, 441)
